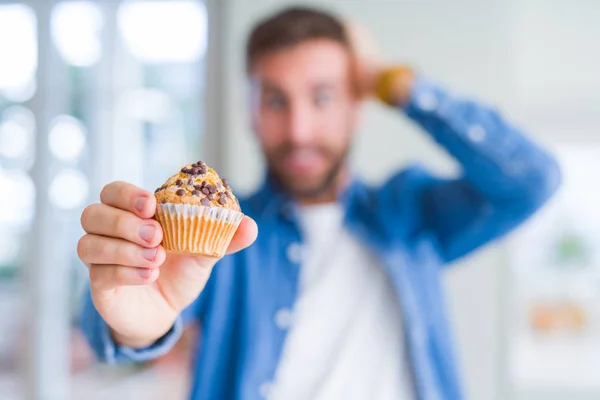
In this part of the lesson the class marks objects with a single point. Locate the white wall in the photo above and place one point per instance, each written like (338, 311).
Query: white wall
(503, 52)
(557, 59)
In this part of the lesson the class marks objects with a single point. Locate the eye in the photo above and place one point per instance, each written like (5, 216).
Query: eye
(275, 101)
(322, 98)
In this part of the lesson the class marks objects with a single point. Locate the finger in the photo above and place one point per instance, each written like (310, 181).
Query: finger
(94, 249)
(101, 219)
(108, 277)
(244, 236)
(129, 197)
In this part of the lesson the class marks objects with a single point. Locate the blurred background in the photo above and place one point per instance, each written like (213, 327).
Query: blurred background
(94, 91)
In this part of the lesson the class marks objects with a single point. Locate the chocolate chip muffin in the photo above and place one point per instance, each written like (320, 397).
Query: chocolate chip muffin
(198, 212)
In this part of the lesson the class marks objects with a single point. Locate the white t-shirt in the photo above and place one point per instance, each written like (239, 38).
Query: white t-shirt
(346, 338)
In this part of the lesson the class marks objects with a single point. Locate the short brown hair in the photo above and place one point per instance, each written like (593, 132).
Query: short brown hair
(290, 27)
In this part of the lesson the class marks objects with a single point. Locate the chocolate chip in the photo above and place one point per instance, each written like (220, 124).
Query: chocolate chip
(157, 190)
(185, 170)
(205, 201)
(205, 190)
(190, 182)
(222, 201)
(180, 192)
(227, 194)
(198, 187)
(163, 202)
(210, 197)
(203, 184)
(195, 193)
(225, 183)
(179, 182)
(195, 171)
(212, 189)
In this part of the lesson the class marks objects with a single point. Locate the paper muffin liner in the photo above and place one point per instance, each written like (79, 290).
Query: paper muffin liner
(192, 229)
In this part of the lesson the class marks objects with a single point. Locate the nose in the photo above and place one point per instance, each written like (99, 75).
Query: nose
(300, 124)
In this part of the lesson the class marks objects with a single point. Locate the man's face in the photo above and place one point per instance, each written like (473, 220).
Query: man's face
(304, 112)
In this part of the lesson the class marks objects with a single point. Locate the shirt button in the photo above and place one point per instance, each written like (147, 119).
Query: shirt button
(476, 133)
(294, 253)
(427, 101)
(265, 390)
(283, 318)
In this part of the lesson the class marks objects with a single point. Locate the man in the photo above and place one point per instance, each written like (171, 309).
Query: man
(339, 298)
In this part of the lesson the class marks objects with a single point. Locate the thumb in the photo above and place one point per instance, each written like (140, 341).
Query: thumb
(245, 235)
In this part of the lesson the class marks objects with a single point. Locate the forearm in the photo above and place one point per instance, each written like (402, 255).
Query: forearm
(497, 159)
(505, 176)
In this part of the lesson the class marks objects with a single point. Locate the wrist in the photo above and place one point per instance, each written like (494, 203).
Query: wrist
(137, 342)
(394, 85)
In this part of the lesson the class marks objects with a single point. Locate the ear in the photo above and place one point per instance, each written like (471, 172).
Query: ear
(357, 114)
(253, 105)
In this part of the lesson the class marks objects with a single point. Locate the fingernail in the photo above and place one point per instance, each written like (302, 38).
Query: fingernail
(147, 232)
(144, 272)
(140, 204)
(149, 254)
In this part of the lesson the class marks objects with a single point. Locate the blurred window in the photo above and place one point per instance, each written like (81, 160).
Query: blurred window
(18, 52)
(161, 31)
(76, 28)
(124, 102)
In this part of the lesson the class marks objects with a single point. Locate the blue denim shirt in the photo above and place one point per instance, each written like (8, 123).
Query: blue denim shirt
(417, 223)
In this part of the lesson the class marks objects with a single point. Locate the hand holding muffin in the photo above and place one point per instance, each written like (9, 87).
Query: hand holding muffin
(136, 285)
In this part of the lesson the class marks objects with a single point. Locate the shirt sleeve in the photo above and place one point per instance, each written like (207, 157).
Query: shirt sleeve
(505, 176)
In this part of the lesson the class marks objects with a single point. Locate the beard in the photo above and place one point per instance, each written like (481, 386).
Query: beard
(300, 187)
